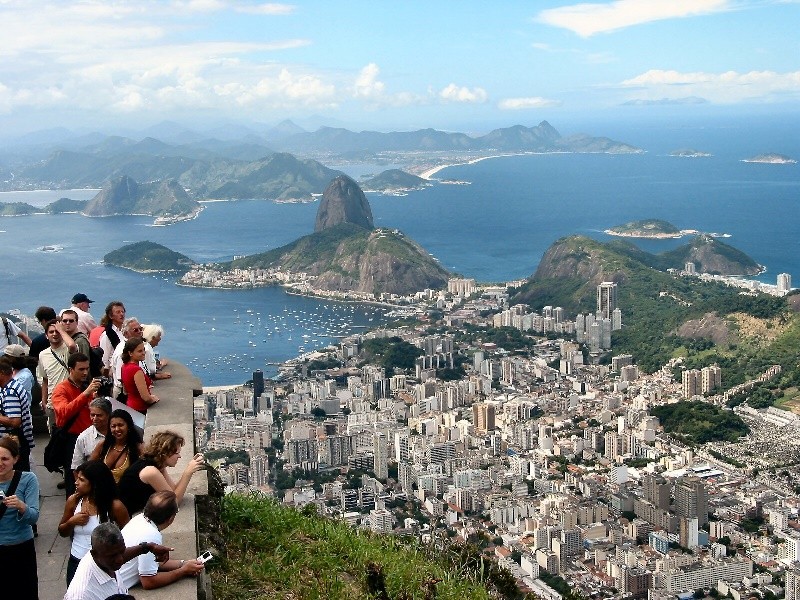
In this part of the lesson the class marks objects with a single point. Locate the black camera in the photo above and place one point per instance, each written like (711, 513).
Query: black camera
(106, 386)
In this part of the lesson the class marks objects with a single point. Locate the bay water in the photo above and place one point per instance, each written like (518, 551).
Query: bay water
(494, 227)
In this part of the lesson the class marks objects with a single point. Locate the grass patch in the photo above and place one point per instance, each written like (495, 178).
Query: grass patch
(278, 552)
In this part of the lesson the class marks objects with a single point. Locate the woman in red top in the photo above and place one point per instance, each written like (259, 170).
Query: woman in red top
(134, 380)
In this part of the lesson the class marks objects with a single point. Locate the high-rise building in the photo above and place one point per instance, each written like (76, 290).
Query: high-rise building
(710, 378)
(656, 490)
(606, 299)
(691, 380)
(380, 448)
(483, 416)
(258, 389)
(616, 319)
(691, 499)
(784, 282)
(793, 582)
(690, 268)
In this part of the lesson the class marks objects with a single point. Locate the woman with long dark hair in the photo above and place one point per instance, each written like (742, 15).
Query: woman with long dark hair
(95, 501)
(122, 446)
(135, 381)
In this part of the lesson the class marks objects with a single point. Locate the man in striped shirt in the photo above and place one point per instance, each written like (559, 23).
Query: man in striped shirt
(15, 413)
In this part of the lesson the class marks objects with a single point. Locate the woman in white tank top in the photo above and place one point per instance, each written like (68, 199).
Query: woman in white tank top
(94, 501)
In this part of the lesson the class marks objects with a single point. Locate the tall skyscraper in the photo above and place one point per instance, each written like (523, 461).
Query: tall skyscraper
(258, 389)
(691, 499)
(606, 299)
(380, 448)
(784, 282)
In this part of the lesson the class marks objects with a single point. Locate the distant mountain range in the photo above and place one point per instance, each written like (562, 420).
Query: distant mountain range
(205, 164)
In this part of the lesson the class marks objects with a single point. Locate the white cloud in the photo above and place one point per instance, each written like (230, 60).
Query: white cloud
(526, 103)
(265, 9)
(727, 88)
(367, 84)
(454, 93)
(588, 19)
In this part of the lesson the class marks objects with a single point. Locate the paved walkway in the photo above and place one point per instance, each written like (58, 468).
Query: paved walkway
(52, 550)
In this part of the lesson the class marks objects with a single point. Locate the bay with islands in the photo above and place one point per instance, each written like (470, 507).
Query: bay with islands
(495, 227)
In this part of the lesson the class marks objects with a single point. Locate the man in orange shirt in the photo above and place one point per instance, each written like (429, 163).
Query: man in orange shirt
(71, 400)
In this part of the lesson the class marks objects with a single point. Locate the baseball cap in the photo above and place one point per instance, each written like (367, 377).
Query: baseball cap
(81, 298)
(14, 350)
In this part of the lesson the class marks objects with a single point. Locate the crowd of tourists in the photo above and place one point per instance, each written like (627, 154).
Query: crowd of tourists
(95, 382)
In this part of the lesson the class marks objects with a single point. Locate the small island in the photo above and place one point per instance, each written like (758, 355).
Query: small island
(690, 153)
(771, 159)
(647, 228)
(149, 257)
(394, 182)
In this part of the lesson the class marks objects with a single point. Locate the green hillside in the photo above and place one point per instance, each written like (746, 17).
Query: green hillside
(147, 257)
(654, 303)
(277, 552)
(349, 257)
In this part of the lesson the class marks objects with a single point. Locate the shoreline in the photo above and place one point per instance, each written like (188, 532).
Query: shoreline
(643, 235)
(427, 174)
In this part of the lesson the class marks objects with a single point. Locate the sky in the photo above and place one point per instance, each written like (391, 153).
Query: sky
(455, 65)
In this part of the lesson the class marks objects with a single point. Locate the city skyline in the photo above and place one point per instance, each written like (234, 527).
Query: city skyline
(360, 65)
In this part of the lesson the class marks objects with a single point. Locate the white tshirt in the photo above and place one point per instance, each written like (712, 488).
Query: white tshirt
(139, 529)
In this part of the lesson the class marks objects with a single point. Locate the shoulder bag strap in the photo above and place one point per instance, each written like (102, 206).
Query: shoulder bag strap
(12, 489)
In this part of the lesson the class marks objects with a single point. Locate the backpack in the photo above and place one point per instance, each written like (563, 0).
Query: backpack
(95, 357)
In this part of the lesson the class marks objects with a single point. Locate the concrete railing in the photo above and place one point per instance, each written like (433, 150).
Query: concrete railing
(174, 412)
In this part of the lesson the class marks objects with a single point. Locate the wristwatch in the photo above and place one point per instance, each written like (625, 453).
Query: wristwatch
(146, 547)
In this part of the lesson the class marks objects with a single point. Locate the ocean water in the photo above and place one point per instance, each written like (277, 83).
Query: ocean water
(494, 229)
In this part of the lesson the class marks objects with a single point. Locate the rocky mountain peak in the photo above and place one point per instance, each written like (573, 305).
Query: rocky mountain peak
(343, 202)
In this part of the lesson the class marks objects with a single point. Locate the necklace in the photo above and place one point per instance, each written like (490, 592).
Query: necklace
(120, 449)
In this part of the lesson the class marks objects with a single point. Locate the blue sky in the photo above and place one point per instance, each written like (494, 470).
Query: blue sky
(466, 65)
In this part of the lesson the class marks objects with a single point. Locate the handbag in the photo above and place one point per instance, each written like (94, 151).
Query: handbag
(58, 446)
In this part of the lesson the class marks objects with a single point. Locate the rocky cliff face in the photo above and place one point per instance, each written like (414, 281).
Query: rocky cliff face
(386, 261)
(124, 196)
(343, 202)
(580, 258)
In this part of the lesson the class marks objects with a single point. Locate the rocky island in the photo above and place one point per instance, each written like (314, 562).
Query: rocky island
(395, 182)
(772, 159)
(690, 153)
(149, 257)
(647, 228)
(60, 206)
(124, 196)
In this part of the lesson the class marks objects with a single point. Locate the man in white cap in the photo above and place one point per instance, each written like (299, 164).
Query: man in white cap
(80, 304)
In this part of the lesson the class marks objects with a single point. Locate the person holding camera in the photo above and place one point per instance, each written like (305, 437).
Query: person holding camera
(71, 399)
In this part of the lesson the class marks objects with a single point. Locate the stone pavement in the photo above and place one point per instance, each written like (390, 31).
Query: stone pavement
(174, 412)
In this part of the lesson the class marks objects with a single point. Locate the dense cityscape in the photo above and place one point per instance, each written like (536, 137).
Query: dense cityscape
(549, 459)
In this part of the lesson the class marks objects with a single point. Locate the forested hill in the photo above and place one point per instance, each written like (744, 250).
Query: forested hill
(656, 305)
